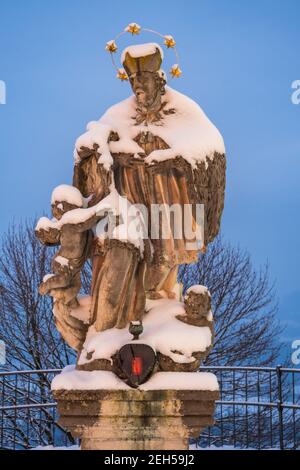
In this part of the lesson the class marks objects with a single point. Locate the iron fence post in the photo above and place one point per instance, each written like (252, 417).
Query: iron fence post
(280, 406)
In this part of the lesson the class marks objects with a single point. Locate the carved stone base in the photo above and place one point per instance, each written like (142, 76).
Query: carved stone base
(135, 419)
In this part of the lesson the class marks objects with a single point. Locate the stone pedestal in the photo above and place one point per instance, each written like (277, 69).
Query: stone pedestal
(135, 419)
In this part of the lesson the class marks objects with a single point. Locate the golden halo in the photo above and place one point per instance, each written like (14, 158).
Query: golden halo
(135, 29)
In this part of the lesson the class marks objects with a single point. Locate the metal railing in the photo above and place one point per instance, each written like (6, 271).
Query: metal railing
(259, 408)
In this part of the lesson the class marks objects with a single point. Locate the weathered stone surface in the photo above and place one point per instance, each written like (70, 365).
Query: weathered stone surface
(167, 364)
(197, 313)
(197, 304)
(96, 364)
(210, 178)
(135, 419)
(72, 330)
(122, 280)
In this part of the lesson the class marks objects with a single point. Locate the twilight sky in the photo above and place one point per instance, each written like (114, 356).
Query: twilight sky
(239, 60)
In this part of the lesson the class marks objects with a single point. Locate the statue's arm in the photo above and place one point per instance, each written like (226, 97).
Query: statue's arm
(47, 231)
(48, 238)
(83, 226)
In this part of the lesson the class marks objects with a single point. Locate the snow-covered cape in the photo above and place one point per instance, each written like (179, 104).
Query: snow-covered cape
(188, 131)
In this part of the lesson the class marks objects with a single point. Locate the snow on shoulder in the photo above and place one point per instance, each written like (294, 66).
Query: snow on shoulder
(184, 127)
(141, 50)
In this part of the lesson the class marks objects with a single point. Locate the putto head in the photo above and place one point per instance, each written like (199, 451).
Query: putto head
(65, 198)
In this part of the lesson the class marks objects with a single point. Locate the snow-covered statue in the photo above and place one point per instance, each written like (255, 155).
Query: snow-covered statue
(147, 196)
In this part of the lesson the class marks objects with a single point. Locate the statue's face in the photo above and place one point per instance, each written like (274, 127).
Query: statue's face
(146, 87)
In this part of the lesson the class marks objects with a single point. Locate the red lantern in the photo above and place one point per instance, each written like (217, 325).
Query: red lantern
(134, 363)
(137, 365)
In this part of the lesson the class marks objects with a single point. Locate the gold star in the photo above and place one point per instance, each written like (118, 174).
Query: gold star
(169, 41)
(133, 28)
(175, 71)
(111, 46)
(122, 75)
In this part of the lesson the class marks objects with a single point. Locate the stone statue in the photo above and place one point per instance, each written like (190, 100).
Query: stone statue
(147, 196)
(155, 150)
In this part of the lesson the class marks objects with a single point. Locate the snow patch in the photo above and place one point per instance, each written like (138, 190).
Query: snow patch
(198, 289)
(162, 331)
(47, 276)
(83, 311)
(62, 260)
(72, 379)
(46, 224)
(97, 133)
(182, 381)
(141, 50)
(67, 193)
(188, 132)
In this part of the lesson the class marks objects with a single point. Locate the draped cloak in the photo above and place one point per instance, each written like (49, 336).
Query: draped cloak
(121, 277)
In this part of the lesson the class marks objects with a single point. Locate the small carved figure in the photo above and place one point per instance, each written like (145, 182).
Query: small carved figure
(73, 236)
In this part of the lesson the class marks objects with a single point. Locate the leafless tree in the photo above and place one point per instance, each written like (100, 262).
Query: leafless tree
(31, 339)
(244, 306)
(26, 319)
(247, 331)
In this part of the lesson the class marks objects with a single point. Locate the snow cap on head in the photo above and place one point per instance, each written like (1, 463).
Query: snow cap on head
(198, 289)
(67, 193)
(142, 58)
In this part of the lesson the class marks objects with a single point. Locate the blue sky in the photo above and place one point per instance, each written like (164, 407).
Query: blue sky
(239, 60)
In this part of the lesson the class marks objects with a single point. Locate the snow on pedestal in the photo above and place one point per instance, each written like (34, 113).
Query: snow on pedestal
(163, 331)
(72, 379)
(163, 413)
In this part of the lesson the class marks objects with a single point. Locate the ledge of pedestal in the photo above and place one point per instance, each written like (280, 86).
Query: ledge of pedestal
(145, 418)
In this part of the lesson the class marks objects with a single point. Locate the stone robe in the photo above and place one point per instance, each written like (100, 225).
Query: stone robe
(121, 277)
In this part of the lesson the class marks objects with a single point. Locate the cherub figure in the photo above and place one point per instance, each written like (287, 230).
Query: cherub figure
(70, 229)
